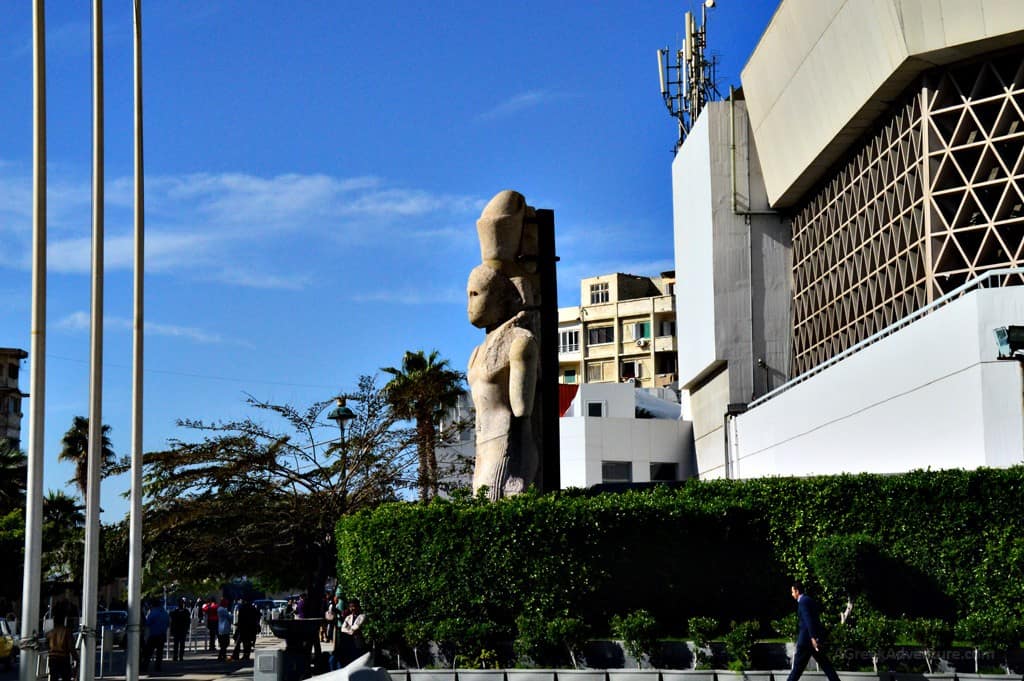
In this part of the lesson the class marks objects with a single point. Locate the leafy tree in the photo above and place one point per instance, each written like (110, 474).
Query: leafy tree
(849, 566)
(739, 643)
(932, 635)
(63, 536)
(702, 631)
(13, 476)
(248, 499)
(12, 548)
(420, 390)
(638, 632)
(995, 629)
(546, 641)
(877, 632)
(75, 448)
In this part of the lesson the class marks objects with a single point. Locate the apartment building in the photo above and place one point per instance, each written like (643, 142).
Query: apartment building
(624, 330)
(10, 395)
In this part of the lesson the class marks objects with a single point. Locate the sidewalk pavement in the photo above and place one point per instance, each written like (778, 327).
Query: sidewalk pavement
(202, 665)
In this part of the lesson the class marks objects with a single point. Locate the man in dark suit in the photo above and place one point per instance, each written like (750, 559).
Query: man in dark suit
(810, 640)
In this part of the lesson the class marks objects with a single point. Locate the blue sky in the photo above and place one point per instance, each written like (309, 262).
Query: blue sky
(314, 171)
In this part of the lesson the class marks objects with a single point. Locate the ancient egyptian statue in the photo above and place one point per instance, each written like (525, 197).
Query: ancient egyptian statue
(503, 370)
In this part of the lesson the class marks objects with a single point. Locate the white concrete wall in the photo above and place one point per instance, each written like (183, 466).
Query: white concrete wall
(825, 69)
(694, 254)
(931, 395)
(587, 441)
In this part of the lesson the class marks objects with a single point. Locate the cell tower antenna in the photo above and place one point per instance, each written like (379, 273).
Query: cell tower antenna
(689, 83)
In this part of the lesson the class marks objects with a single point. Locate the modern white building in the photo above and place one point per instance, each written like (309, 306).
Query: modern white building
(850, 230)
(615, 433)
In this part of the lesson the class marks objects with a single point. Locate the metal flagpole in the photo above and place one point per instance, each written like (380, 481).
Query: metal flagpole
(135, 524)
(90, 578)
(32, 576)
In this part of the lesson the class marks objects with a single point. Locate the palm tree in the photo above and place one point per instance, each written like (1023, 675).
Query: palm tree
(63, 533)
(13, 472)
(75, 448)
(420, 391)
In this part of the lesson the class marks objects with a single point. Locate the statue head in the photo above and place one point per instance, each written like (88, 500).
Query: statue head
(508, 233)
(493, 298)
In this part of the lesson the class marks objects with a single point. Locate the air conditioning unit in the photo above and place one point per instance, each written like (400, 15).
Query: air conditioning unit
(642, 342)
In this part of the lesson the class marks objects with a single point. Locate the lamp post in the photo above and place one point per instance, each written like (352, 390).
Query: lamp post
(342, 414)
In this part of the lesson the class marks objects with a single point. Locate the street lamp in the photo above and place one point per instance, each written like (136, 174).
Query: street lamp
(341, 414)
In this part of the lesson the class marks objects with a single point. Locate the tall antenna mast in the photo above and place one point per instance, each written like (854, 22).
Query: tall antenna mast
(689, 83)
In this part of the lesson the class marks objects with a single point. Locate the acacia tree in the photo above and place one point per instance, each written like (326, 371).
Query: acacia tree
(421, 390)
(248, 499)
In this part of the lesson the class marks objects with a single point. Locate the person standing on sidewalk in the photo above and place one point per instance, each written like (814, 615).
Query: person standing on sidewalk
(181, 623)
(60, 647)
(210, 611)
(224, 620)
(157, 622)
(247, 629)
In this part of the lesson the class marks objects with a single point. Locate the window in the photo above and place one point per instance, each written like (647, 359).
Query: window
(600, 335)
(569, 341)
(12, 371)
(616, 471)
(569, 376)
(599, 293)
(670, 289)
(665, 363)
(595, 373)
(595, 409)
(632, 369)
(639, 330)
(664, 472)
(667, 327)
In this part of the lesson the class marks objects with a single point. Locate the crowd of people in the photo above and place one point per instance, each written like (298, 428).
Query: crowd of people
(225, 622)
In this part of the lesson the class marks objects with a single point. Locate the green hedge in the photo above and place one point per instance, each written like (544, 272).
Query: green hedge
(950, 542)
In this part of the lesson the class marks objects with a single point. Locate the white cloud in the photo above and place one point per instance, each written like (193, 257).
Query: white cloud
(80, 321)
(236, 224)
(412, 297)
(517, 103)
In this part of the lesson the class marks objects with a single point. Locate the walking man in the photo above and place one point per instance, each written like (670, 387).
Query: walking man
(810, 640)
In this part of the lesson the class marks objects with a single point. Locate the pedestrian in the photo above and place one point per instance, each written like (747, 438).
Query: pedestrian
(157, 622)
(224, 628)
(352, 626)
(61, 650)
(300, 607)
(210, 612)
(181, 623)
(810, 639)
(246, 629)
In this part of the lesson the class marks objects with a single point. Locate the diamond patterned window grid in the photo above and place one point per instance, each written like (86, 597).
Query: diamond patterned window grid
(893, 228)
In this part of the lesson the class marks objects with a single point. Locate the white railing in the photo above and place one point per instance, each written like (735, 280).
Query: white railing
(981, 281)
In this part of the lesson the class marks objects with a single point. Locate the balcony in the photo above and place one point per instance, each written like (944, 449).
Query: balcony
(665, 344)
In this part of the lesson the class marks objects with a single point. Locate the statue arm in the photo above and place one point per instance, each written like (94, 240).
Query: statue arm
(522, 382)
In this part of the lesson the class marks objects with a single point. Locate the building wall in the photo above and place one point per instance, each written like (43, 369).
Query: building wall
(824, 70)
(932, 198)
(931, 395)
(734, 299)
(618, 436)
(649, 360)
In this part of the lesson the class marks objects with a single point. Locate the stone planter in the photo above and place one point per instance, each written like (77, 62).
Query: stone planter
(432, 675)
(868, 676)
(480, 674)
(633, 675)
(988, 677)
(687, 675)
(530, 674)
(580, 675)
(399, 674)
(753, 675)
